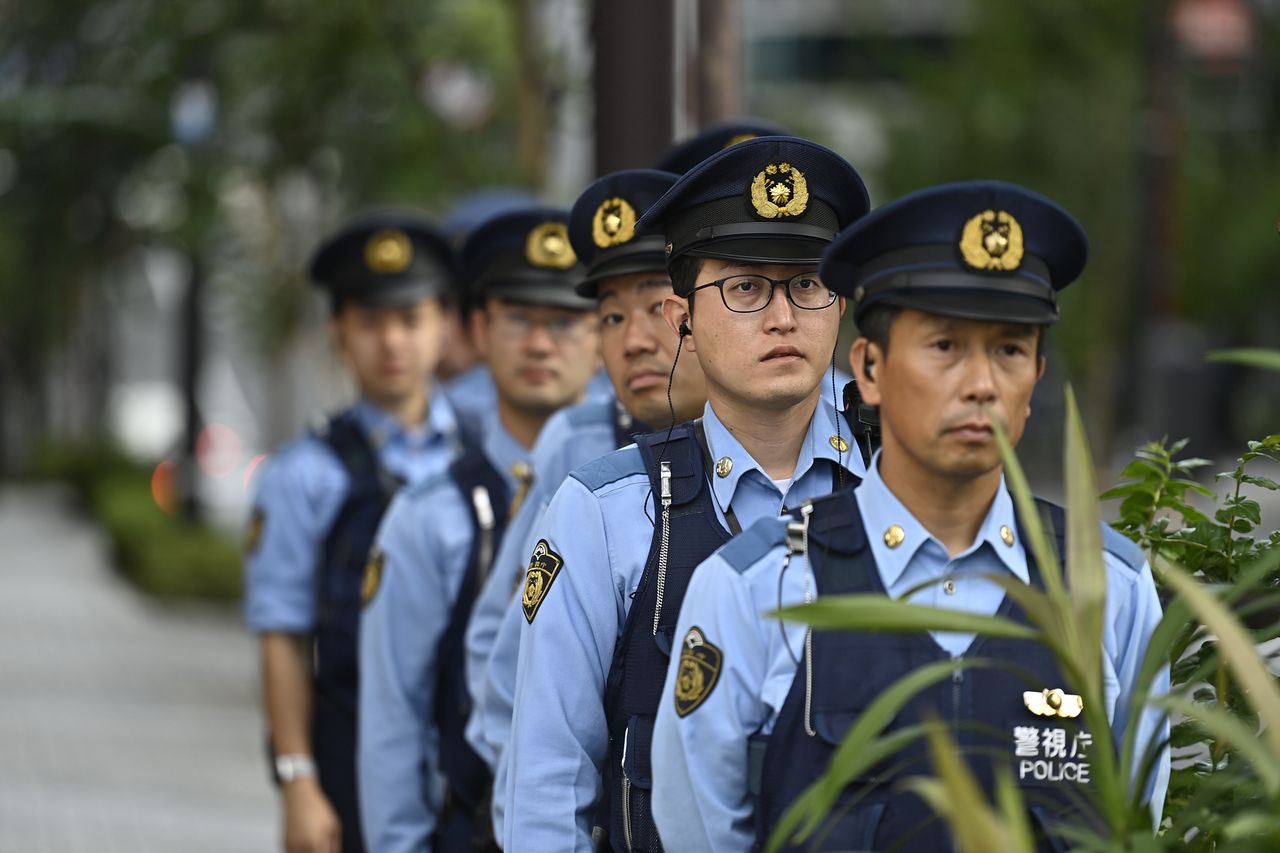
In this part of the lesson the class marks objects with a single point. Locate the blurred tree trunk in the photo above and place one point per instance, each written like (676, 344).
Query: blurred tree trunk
(716, 63)
(531, 97)
(634, 78)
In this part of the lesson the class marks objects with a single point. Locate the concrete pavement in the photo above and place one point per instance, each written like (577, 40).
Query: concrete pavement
(124, 724)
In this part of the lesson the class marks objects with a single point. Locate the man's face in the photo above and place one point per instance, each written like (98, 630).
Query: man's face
(773, 358)
(392, 352)
(938, 383)
(541, 357)
(639, 347)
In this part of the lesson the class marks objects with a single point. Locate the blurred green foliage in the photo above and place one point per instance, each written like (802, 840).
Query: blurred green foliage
(236, 130)
(162, 555)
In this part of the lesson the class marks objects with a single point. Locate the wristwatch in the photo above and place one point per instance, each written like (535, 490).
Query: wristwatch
(291, 767)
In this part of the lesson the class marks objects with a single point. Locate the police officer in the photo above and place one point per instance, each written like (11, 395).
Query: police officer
(627, 278)
(614, 550)
(438, 540)
(953, 288)
(319, 501)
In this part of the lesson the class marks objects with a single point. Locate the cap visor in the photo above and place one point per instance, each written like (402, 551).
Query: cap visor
(970, 305)
(398, 294)
(763, 250)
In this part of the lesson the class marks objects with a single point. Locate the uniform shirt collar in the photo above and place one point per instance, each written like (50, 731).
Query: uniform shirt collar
(503, 451)
(881, 510)
(721, 444)
(383, 429)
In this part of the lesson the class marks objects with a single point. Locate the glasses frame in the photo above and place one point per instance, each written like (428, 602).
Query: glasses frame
(775, 283)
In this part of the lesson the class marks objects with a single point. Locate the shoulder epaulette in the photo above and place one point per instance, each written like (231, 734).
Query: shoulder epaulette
(590, 414)
(1123, 548)
(610, 468)
(752, 544)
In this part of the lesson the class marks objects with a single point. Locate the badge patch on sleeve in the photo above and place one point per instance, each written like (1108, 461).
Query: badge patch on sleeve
(544, 566)
(699, 672)
(253, 533)
(372, 576)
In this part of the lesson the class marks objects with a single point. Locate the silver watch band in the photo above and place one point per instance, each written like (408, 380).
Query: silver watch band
(295, 766)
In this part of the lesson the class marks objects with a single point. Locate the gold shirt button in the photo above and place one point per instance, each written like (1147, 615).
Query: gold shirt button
(1006, 535)
(894, 535)
(838, 442)
(724, 466)
(949, 586)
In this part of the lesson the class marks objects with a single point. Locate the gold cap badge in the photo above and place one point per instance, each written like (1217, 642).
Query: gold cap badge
(1053, 703)
(780, 189)
(544, 567)
(992, 241)
(894, 535)
(699, 671)
(548, 247)
(614, 223)
(388, 252)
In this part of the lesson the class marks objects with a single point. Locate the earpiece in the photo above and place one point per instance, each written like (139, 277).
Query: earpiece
(867, 364)
(684, 328)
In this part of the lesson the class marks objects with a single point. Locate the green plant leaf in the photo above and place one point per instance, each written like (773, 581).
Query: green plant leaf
(1249, 357)
(1228, 728)
(1236, 648)
(877, 613)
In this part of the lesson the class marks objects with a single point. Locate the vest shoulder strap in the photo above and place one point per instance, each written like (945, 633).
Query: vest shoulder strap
(344, 436)
(679, 447)
(472, 471)
(1123, 548)
(753, 544)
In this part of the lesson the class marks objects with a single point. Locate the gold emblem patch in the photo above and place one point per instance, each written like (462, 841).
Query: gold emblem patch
(1053, 703)
(992, 241)
(388, 252)
(253, 533)
(372, 575)
(544, 566)
(779, 190)
(699, 671)
(614, 223)
(548, 247)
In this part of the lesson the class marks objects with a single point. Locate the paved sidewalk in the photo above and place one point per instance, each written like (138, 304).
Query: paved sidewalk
(125, 725)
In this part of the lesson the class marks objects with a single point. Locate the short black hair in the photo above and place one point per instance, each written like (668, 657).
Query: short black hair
(684, 276)
(876, 323)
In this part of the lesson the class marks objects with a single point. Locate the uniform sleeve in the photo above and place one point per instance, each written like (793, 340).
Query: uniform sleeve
(700, 772)
(499, 704)
(487, 615)
(299, 495)
(1136, 613)
(559, 738)
(400, 631)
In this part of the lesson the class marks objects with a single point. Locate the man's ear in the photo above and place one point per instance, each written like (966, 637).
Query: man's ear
(868, 386)
(675, 310)
(1040, 371)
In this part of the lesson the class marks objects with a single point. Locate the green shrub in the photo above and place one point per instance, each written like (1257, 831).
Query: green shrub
(162, 555)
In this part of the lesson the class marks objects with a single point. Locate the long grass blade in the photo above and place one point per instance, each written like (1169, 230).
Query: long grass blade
(877, 613)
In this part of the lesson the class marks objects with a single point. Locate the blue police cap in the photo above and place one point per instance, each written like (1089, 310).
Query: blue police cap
(524, 255)
(683, 156)
(602, 226)
(388, 258)
(980, 250)
(775, 199)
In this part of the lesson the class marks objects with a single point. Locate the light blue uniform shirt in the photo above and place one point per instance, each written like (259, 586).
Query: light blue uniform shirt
(301, 491)
(570, 439)
(559, 740)
(472, 394)
(425, 539)
(700, 760)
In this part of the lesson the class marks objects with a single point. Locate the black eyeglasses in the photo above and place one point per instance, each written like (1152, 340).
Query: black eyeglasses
(744, 294)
